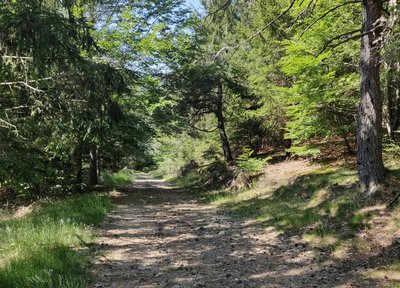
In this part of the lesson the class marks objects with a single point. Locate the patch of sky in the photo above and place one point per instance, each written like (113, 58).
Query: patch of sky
(195, 5)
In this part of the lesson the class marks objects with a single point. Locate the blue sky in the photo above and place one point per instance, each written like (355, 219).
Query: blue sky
(195, 3)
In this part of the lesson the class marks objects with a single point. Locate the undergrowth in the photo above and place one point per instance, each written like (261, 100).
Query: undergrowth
(48, 248)
(121, 177)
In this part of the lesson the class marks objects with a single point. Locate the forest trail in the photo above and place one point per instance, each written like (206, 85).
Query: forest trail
(161, 236)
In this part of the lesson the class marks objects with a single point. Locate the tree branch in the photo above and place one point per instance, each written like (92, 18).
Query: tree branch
(16, 57)
(219, 52)
(223, 6)
(303, 12)
(349, 36)
(325, 14)
(235, 48)
(268, 24)
(204, 130)
(34, 89)
(5, 124)
(16, 108)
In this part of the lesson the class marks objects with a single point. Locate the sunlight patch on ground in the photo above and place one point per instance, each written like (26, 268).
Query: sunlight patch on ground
(391, 272)
(317, 199)
(318, 241)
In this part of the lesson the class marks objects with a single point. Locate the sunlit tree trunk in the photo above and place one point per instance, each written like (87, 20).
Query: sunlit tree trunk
(93, 173)
(369, 119)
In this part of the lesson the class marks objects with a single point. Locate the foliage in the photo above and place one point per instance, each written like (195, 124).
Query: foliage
(323, 95)
(112, 83)
(124, 176)
(180, 153)
(70, 89)
(392, 149)
(247, 164)
(44, 248)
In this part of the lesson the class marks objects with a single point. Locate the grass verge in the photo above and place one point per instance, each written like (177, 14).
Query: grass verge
(323, 205)
(118, 178)
(49, 247)
(316, 202)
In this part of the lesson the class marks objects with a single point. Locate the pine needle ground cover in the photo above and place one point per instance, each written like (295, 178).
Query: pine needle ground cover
(324, 207)
(49, 247)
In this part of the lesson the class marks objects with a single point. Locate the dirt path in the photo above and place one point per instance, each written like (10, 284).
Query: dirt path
(159, 236)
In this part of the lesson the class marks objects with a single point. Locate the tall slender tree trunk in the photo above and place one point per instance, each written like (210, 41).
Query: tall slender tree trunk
(93, 172)
(78, 168)
(369, 119)
(221, 125)
(392, 81)
(393, 98)
(98, 166)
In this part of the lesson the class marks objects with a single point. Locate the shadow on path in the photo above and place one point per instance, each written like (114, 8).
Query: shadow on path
(161, 236)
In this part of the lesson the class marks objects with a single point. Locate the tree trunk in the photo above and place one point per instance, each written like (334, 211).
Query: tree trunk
(393, 99)
(369, 119)
(348, 145)
(221, 125)
(93, 173)
(288, 145)
(99, 178)
(78, 169)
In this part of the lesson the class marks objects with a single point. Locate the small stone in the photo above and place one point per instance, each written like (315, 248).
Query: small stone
(220, 258)
(200, 229)
(222, 233)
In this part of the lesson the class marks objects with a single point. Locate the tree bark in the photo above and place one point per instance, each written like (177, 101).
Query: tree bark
(348, 145)
(221, 125)
(288, 145)
(78, 168)
(99, 178)
(93, 172)
(393, 99)
(369, 119)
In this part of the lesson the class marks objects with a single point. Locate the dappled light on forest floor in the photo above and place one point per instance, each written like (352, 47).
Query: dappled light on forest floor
(324, 208)
(161, 236)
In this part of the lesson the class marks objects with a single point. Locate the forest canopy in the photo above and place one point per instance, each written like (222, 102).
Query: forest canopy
(93, 86)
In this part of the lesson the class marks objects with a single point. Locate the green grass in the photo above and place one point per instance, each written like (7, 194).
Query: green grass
(187, 181)
(48, 248)
(322, 203)
(118, 178)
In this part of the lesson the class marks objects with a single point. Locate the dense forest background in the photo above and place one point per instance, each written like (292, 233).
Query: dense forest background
(94, 86)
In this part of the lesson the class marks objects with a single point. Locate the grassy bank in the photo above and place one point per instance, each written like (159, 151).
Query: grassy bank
(324, 207)
(48, 247)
